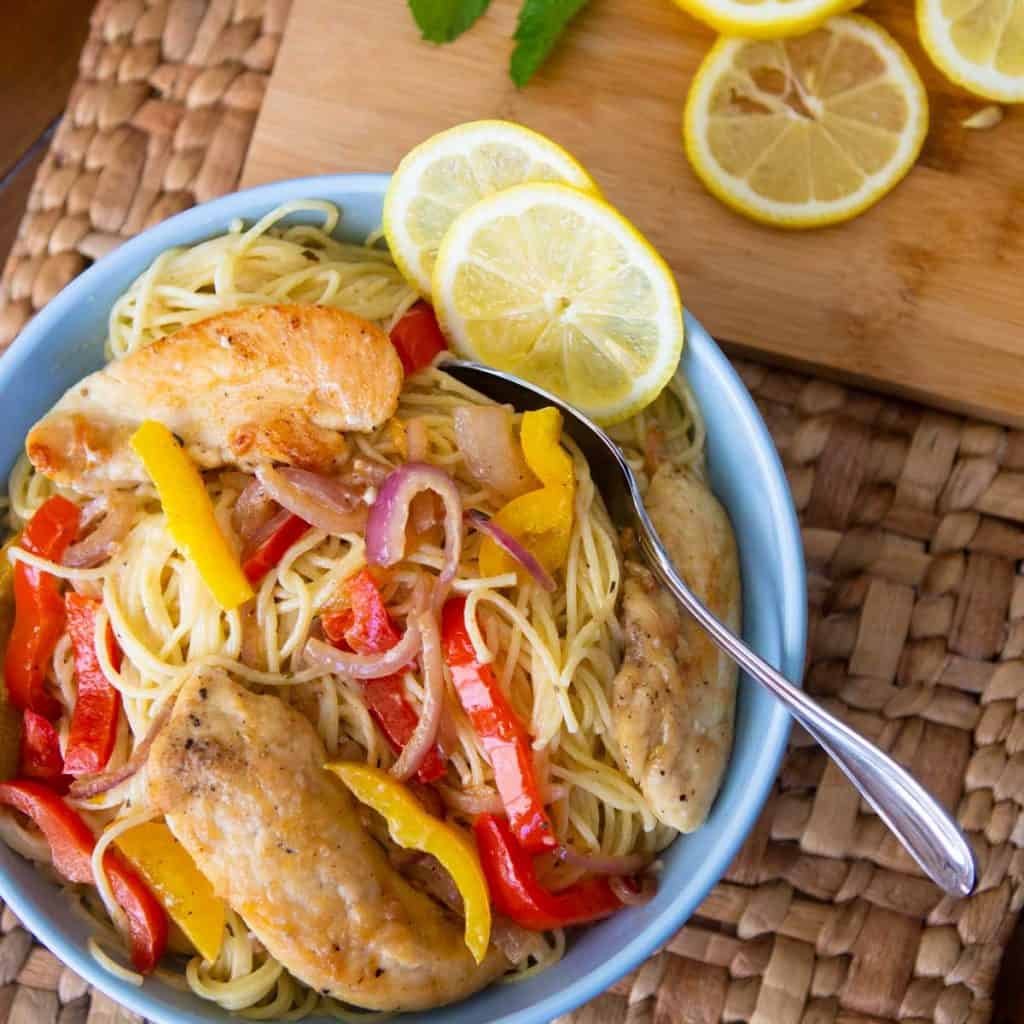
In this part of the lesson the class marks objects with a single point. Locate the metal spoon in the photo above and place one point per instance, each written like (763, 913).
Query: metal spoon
(920, 823)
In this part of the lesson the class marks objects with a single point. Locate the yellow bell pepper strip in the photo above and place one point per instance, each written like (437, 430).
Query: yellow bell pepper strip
(180, 886)
(414, 828)
(190, 518)
(540, 435)
(541, 519)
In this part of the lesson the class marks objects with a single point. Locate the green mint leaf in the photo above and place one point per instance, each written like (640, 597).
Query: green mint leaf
(541, 22)
(441, 21)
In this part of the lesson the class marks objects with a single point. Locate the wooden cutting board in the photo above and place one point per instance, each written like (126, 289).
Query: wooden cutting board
(922, 295)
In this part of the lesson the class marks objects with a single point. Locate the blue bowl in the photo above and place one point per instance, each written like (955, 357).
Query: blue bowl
(65, 342)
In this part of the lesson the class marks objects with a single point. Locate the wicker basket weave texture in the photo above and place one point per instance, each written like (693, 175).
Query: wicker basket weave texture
(913, 526)
(159, 119)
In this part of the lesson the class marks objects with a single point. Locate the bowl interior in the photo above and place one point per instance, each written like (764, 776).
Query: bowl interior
(65, 342)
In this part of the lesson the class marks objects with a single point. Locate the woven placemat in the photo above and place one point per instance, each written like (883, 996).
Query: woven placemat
(913, 524)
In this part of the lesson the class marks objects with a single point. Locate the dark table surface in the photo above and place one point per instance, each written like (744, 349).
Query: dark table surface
(39, 51)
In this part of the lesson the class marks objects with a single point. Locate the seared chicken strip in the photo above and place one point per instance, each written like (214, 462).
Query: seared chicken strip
(240, 779)
(675, 694)
(259, 384)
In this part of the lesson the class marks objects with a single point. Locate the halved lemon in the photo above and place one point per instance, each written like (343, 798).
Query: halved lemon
(764, 19)
(979, 44)
(554, 285)
(808, 131)
(449, 172)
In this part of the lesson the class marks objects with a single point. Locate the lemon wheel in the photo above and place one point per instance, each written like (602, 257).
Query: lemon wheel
(554, 285)
(807, 131)
(451, 171)
(979, 45)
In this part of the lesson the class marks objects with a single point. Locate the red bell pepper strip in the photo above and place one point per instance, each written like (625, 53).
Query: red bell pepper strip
(71, 840)
(259, 562)
(38, 607)
(366, 627)
(504, 738)
(40, 756)
(417, 337)
(95, 716)
(366, 624)
(517, 893)
(147, 919)
(398, 719)
(71, 846)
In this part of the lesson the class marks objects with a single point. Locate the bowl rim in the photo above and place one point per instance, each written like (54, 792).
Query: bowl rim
(212, 217)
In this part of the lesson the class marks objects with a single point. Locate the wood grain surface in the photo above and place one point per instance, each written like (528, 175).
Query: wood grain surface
(923, 295)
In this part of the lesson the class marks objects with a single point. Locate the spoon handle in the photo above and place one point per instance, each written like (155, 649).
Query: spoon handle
(915, 817)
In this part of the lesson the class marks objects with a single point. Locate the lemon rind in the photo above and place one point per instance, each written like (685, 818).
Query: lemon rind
(737, 194)
(514, 200)
(770, 20)
(412, 165)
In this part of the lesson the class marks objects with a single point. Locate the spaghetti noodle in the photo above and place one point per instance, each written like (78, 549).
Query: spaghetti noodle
(555, 654)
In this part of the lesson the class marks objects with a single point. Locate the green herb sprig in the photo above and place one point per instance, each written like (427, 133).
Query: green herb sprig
(540, 24)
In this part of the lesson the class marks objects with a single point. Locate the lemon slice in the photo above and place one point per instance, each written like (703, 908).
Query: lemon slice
(808, 131)
(552, 284)
(438, 179)
(979, 44)
(764, 19)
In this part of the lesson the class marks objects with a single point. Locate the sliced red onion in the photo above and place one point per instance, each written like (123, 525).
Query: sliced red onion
(603, 864)
(508, 543)
(484, 800)
(425, 734)
(429, 797)
(427, 870)
(254, 508)
(323, 502)
(473, 802)
(423, 509)
(366, 666)
(105, 539)
(93, 785)
(268, 529)
(631, 896)
(92, 512)
(493, 456)
(389, 517)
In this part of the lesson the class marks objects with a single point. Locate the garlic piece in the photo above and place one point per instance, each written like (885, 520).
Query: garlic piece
(986, 117)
